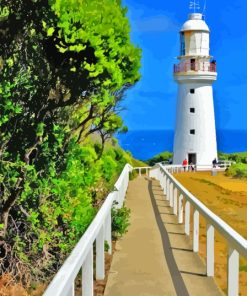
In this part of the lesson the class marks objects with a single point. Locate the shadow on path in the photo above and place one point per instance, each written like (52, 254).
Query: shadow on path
(177, 279)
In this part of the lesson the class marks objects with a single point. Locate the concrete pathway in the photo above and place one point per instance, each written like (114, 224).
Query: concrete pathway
(155, 258)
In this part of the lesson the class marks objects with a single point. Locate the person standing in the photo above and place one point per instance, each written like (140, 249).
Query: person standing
(192, 168)
(185, 164)
(214, 162)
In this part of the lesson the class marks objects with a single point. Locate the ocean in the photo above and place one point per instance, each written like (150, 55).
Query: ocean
(144, 144)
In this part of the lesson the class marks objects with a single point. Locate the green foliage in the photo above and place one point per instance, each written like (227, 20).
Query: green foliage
(65, 66)
(240, 157)
(164, 156)
(243, 268)
(4, 12)
(108, 167)
(238, 170)
(101, 24)
(133, 175)
(106, 246)
(120, 221)
(138, 163)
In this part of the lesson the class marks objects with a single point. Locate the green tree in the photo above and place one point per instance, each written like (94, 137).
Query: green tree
(65, 66)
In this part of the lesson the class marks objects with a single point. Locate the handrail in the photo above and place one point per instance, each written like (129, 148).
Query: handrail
(204, 66)
(146, 168)
(82, 254)
(218, 166)
(237, 244)
(227, 231)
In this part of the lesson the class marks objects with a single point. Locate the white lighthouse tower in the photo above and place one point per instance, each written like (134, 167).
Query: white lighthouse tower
(195, 136)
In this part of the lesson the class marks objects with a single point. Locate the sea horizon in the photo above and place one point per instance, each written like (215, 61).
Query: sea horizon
(146, 143)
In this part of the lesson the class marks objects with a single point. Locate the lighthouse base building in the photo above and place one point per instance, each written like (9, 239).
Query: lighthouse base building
(195, 135)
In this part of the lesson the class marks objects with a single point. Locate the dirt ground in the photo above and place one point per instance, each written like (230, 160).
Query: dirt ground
(226, 197)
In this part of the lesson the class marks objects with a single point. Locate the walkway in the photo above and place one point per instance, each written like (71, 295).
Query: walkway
(155, 257)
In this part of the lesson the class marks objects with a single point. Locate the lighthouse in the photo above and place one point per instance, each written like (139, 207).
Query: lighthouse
(195, 135)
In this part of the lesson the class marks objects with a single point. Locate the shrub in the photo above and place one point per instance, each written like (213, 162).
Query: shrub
(133, 175)
(164, 156)
(240, 157)
(238, 170)
(120, 221)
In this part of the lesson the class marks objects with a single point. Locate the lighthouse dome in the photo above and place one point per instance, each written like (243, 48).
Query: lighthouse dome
(195, 23)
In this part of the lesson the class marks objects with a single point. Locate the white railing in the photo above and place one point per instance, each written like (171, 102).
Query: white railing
(82, 255)
(175, 193)
(222, 166)
(140, 169)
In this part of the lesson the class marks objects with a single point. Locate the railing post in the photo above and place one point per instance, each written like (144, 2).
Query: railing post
(175, 201)
(233, 272)
(140, 172)
(167, 188)
(100, 255)
(171, 194)
(146, 172)
(165, 178)
(162, 185)
(126, 181)
(196, 231)
(180, 209)
(210, 250)
(187, 218)
(87, 274)
(71, 291)
(108, 232)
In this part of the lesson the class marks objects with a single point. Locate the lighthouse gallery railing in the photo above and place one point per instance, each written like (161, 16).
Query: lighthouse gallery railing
(195, 66)
(236, 243)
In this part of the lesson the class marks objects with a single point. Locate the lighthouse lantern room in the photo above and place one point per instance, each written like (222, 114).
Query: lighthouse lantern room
(195, 135)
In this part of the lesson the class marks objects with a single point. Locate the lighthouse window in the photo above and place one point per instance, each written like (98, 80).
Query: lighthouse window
(192, 131)
(182, 44)
(192, 90)
(192, 110)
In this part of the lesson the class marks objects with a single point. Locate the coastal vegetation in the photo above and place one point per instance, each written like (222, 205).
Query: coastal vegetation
(239, 169)
(164, 156)
(239, 157)
(65, 66)
(120, 221)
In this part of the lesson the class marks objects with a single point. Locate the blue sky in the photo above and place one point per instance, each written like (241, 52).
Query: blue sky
(155, 24)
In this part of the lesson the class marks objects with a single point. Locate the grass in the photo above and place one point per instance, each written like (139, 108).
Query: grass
(243, 268)
(220, 188)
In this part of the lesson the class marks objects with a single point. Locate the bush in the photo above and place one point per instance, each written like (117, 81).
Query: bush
(164, 156)
(133, 175)
(238, 170)
(120, 221)
(240, 157)
(65, 84)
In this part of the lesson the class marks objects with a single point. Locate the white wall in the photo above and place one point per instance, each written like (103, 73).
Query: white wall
(203, 143)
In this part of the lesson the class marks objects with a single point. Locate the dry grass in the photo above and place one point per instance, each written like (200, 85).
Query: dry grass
(9, 286)
(226, 197)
